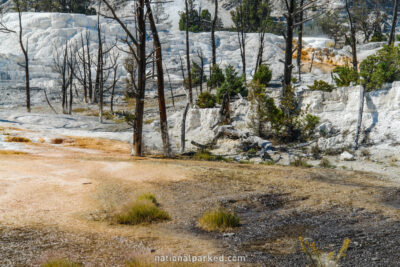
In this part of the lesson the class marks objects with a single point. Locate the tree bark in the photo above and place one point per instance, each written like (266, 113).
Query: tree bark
(392, 36)
(160, 83)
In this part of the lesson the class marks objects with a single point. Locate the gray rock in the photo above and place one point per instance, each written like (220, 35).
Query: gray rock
(346, 156)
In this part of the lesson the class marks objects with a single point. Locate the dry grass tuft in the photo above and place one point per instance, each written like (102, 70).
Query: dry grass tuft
(61, 263)
(219, 220)
(149, 197)
(57, 141)
(17, 139)
(141, 212)
(12, 152)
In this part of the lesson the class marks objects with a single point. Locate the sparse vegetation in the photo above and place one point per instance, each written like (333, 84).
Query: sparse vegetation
(208, 156)
(61, 263)
(219, 220)
(321, 86)
(17, 139)
(325, 163)
(300, 162)
(318, 258)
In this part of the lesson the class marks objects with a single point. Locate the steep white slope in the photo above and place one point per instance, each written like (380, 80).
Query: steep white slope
(47, 32)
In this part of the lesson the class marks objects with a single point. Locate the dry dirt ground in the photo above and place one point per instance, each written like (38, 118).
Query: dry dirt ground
(54, 201)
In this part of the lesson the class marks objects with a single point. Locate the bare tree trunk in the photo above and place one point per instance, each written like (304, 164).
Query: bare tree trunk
(84, 71)
(213, 25)
(137, 136)
(160, 83)
(100, 73)
(353, 39)
(183, 127)
(188, 55)
(360, 117)
(392, 36)
(288, 66)
(300, 39)
(170, 88)
(89, 68)
(260, 50)
(25, 52)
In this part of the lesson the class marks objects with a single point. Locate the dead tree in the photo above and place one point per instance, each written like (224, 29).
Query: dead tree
(115, 78)
(213, 26)
(24, 49)
(292, 10)
(200, 55)
(60, 66)
(352, 39)
(300, 39)
(392, 36)
(160, 82)
(188, 55)
(241, 24)
(137, 49)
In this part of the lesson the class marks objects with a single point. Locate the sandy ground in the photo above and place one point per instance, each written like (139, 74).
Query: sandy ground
(53, 197)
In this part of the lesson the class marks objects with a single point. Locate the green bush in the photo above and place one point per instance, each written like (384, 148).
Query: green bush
(345, 75)
(382, 67)
(197, 22)
(263, 75)
(216, 77)
(206, 100)
(141, 211)
(233, 83)
(378, 37)
(287, 123)
(219, 220)
(321, 86)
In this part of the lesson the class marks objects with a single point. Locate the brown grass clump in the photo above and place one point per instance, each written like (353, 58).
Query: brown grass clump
(61, 263)
(219, 220)
(57, 141)
(141, 212)
(17, 139)
(12, 152)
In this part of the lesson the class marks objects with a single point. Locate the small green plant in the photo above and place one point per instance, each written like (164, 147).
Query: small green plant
(141, 212)
(60, 263)
(323, 259)
(321, 86)
(150, 197)
(206, 100)
(382, 67)
(208, 156)
(345, 76)
(219, 220)
(233, 83)
(216, 77)
(300, 162)
(263, 75)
